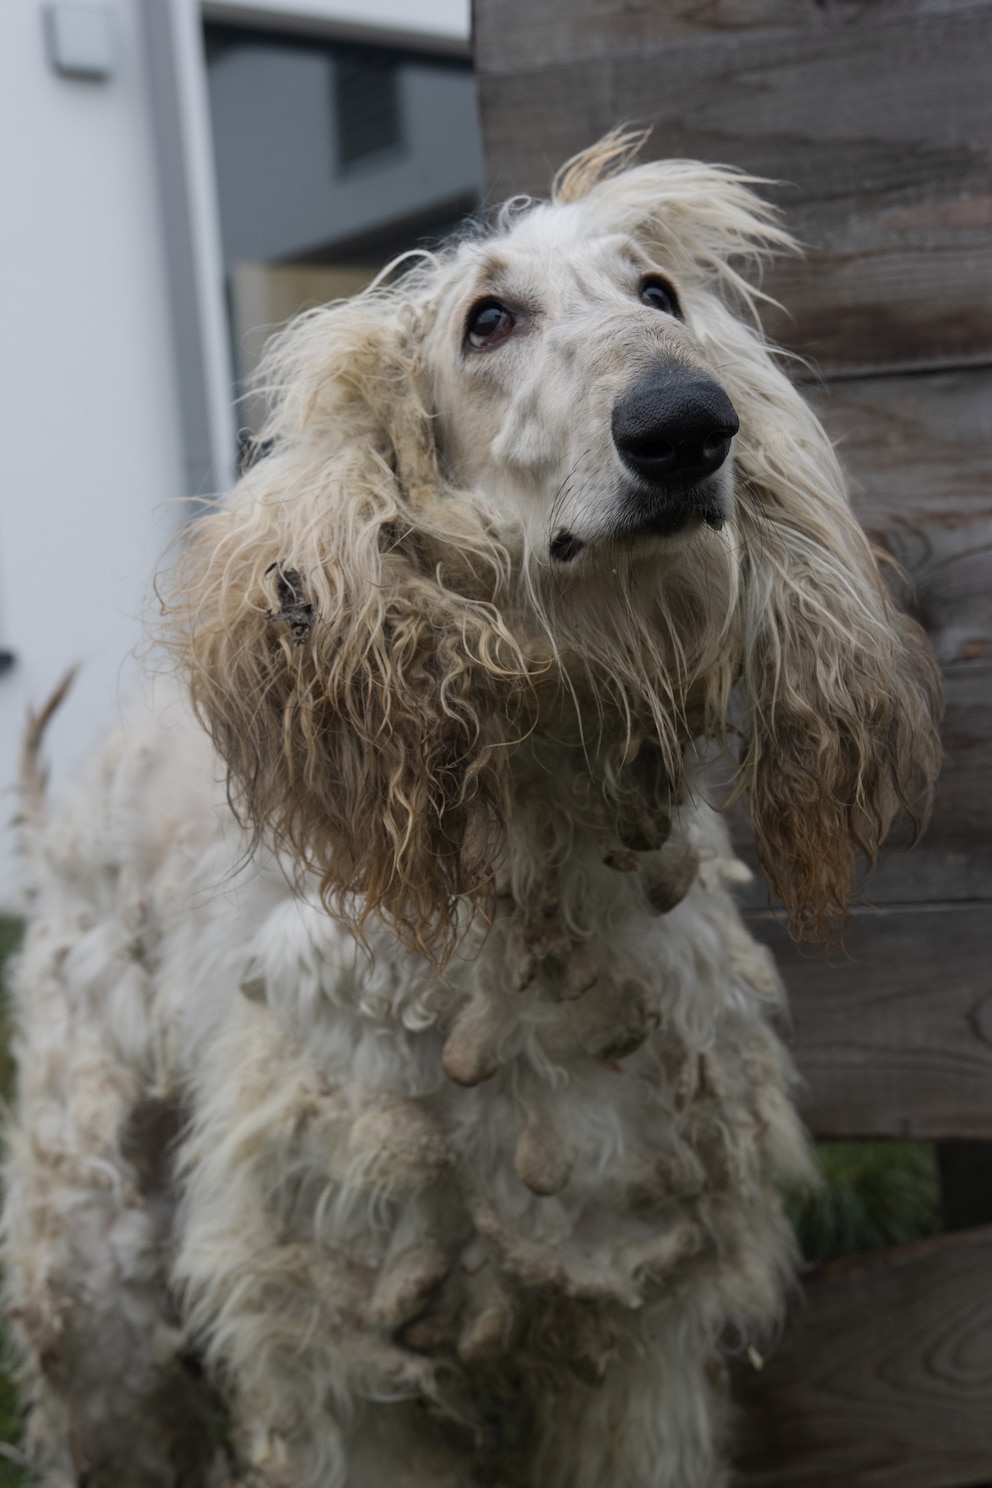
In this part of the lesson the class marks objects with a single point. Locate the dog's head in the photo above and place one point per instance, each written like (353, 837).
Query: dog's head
(570, 386)
(584, 355)
(557, 462)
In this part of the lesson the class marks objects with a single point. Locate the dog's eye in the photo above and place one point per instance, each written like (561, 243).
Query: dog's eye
(660, 295)
(488, 323)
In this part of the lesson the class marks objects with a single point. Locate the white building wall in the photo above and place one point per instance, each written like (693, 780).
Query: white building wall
(92, 457)
(94, 463)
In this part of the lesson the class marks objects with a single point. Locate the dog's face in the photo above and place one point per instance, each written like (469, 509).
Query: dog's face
(572, 393)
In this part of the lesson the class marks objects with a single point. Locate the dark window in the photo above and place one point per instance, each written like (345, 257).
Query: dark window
(367, 106)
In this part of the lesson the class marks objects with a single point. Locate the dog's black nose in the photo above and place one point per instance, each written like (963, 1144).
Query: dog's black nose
(674, 426)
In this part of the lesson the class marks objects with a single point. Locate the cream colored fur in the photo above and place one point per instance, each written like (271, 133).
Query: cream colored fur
(421, 1083)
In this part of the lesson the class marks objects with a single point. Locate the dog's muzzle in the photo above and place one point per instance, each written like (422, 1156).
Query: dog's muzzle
(672, 430)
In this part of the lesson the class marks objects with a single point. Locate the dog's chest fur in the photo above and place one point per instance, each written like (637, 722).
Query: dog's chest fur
(579, 1122)
(573, 1109)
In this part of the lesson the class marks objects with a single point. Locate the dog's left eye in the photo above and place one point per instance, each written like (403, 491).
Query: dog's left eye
(660, 295)
(488, 323)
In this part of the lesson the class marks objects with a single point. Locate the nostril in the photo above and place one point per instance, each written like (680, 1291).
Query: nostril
(715, 446)
(565, 546)
(650, 449)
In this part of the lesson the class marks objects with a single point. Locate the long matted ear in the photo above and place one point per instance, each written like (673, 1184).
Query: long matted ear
(337, 623)
(842, 697)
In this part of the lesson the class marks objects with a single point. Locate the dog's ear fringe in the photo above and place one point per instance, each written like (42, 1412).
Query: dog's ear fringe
(842, 740)
(843, 696)
(370, 744)
(337, 625)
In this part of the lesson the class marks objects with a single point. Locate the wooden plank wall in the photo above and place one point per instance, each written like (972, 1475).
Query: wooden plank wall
(885, 1378)
(874, 118)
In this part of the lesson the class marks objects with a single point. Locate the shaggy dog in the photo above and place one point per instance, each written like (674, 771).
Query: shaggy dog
(407, 1112)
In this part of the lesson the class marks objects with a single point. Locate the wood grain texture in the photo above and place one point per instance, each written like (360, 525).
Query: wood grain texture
(892, 1032)
(884, 1377)
(881, 130)
(913, 446)
(510, 34)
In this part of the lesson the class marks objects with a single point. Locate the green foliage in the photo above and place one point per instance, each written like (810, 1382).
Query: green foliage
(10, 939)
(873, 1194)
(10, 935)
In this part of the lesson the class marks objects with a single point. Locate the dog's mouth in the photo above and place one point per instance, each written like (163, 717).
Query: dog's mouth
(664, 512)
(651, 512)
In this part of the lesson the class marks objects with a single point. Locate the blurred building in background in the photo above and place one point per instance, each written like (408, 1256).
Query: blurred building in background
(181, 176)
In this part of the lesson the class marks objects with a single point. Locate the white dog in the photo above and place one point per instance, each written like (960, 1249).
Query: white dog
(409, 1112)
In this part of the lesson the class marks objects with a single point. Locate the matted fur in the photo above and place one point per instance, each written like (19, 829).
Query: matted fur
(430, 1094)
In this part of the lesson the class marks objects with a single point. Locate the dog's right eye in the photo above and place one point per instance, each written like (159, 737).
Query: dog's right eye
(488, 323)
(660, 295)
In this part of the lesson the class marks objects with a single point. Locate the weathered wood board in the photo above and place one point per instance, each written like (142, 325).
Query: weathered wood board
(513, 34)
(881, 158)
(892, 1031)
(883, 1379)
(913, 445)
